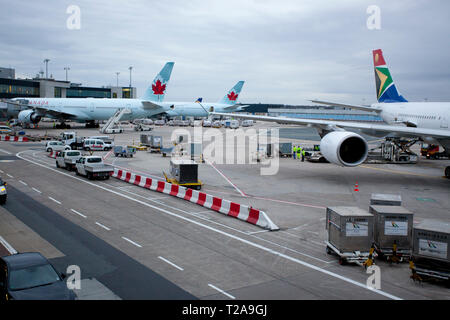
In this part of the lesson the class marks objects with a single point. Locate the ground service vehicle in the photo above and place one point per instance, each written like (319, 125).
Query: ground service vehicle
(127, 152)
(67, 159)
(95, 145)
(93, 167)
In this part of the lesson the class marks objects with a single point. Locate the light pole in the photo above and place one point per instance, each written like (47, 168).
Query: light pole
(67, 69)
(117, 76)
(130, 68)
(46, 67)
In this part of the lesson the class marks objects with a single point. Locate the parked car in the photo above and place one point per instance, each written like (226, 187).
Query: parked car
(95, 145)
(106, 140)
(30, 276)
(3, 193)
(56, 146)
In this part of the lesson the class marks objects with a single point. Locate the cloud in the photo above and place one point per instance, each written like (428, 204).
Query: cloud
(286, 51)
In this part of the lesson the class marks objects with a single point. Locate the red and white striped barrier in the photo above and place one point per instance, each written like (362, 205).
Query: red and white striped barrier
(52, 154)
(13, 138)
(236, 210)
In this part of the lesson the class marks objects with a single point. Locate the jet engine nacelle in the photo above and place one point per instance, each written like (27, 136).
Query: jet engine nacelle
(344, 148)
(28, 116)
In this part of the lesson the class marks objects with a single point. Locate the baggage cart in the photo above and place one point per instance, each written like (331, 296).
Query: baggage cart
(184, 173)
(350, 233)
(126, 152)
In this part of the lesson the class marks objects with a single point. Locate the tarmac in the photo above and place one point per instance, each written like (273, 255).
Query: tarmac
(133, 243)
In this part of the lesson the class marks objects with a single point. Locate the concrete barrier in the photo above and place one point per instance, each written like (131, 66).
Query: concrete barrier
(13, 138)
(229, 208)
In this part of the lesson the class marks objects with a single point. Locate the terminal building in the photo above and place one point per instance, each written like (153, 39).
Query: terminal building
(40, 87)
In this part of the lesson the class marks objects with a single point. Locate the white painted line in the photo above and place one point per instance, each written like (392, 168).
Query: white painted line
(136, 244)
(80, 214)
(171, 263)
(36, 190)
(8, 247)
(9, 175)
(247, 242)
(24, 183)
(103, 226)
(1, 171)
(7, 152)
(228, 180)
(221, 291)
(58, 202)
(255, 232)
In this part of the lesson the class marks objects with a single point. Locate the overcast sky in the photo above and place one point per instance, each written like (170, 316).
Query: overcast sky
(286, 51)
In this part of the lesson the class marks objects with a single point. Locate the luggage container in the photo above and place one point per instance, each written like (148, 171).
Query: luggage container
(350, 234)
(386, 199)
(431, 249)
(184, 173)
(392, 231)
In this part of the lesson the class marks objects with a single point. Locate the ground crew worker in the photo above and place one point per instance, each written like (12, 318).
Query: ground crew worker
(294, 151)
(299, 152)
(303, 155)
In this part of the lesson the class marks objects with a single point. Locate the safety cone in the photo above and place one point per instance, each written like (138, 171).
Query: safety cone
(356, 187)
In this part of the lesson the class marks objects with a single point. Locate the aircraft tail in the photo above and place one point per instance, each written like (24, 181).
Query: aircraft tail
(157, 90)
(232, 95)
(386, 89)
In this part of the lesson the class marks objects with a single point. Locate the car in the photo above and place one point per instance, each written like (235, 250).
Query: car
(95, 145)
(5, 129)
(30, 276)
(56, 146)
(3, 193)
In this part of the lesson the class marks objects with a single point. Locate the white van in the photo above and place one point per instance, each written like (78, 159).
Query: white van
(234, 124)
(95, 145)
(106, 140)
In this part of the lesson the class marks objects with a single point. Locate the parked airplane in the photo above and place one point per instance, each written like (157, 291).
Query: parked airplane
(427, 121)
(200, 109)
(90, 110)
(152, 103)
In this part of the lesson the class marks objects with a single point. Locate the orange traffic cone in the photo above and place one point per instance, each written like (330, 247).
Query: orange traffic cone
(356, 187)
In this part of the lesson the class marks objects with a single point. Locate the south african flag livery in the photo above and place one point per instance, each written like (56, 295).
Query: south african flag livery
(386, 90)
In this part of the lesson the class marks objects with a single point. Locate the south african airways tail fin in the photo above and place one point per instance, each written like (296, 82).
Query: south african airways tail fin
(157, 90)
(232, 95)
(386, 89)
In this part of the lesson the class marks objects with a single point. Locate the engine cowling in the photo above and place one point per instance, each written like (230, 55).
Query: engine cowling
(344, 148)
(28, 116)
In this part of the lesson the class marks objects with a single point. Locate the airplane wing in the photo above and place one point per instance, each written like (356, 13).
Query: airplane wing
(362, 108)
(339, 125)
(148, 105)
(235, 107)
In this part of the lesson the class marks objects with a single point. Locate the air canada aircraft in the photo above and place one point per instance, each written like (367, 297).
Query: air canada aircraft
(427, 121)
(151, 103)
(90, 110)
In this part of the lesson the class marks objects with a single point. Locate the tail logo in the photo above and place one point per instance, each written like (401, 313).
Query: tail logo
(232, 96)
(383, 80)
(158, 88)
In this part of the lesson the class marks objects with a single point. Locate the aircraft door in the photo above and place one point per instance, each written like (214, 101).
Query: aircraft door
(444, 123)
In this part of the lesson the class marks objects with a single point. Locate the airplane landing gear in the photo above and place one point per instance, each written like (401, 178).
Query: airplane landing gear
(62, 125)
(92, 124)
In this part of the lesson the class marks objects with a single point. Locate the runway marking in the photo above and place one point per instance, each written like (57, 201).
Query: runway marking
(7, 246)
(36, 190)
(103, 226)
(24, 183)
(223, 233)
(58, 202)
(228, 180)
(10, 176)
(132, 242)
(7, 152)
(78, 213)
(400, 172)
(171, 263)
(255, 232)
(221, 291)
